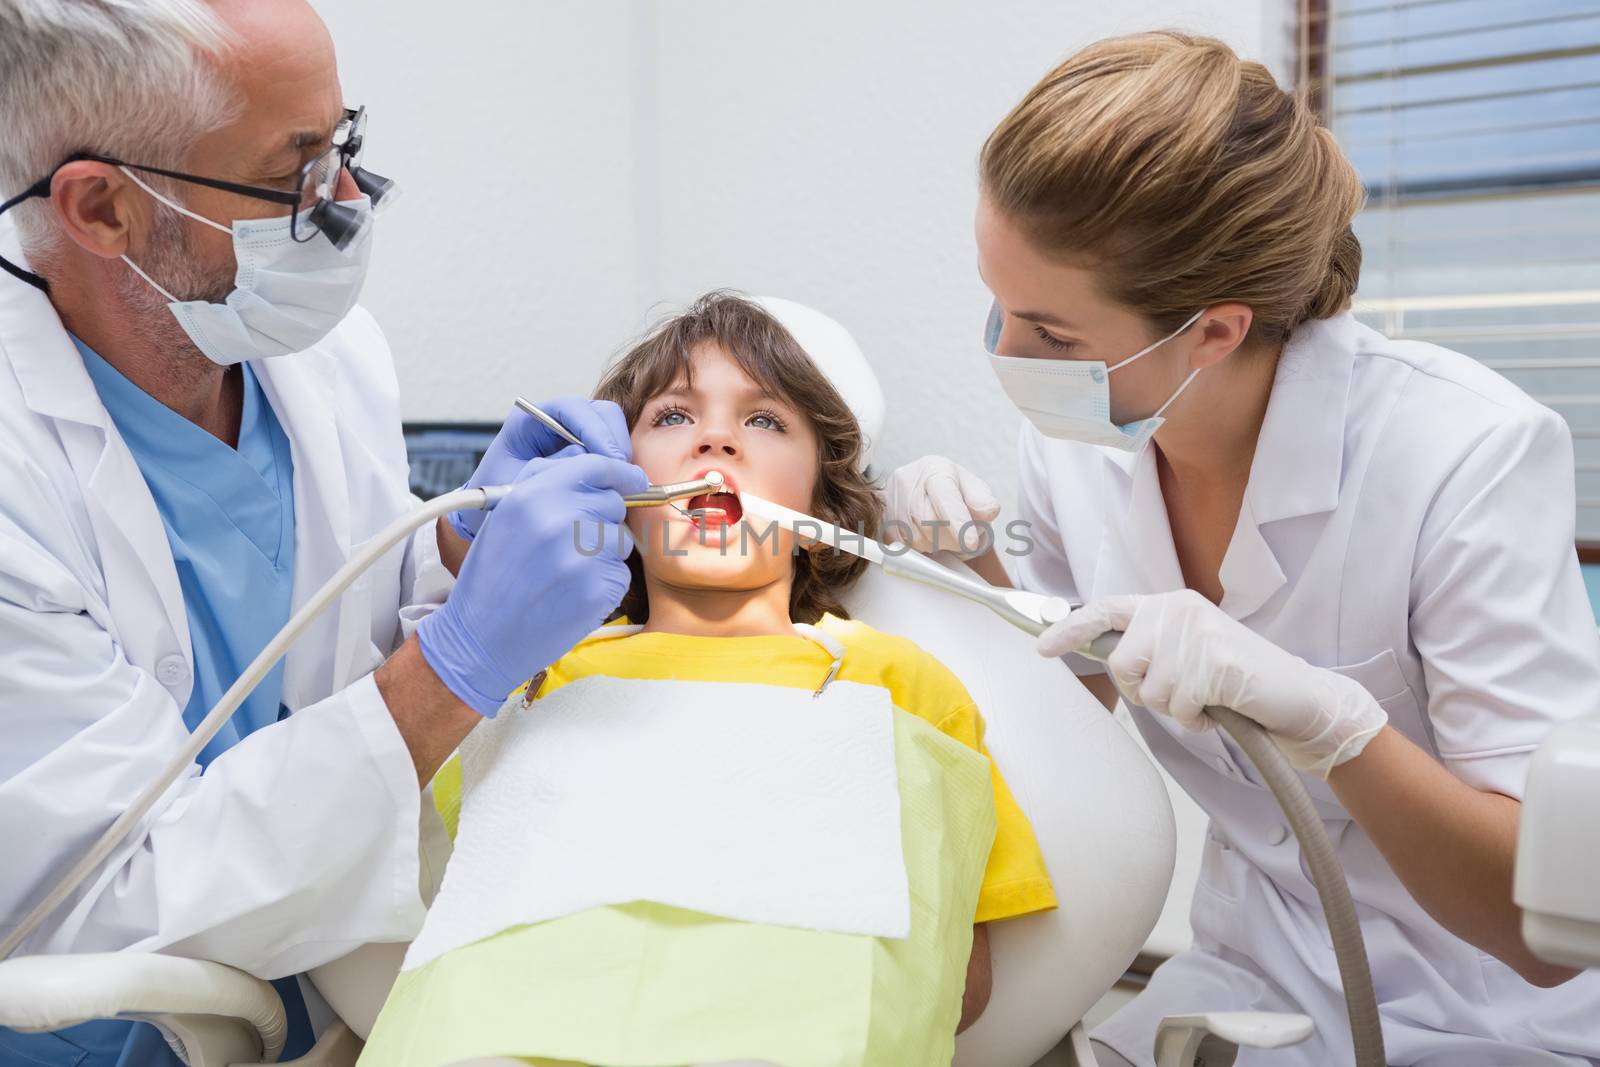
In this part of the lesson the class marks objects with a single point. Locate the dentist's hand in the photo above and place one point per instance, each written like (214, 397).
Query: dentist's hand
(1180, 653)
(599, 424)
(932, 498)
(543, 572)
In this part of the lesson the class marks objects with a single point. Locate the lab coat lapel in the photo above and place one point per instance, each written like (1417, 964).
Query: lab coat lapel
(148, 618)
(1299, 460)
(1250, 573)
(301, 389)
(1146, 561)
(1296, 472)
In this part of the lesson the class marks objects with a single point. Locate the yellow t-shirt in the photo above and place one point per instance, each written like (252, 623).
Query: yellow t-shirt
(1015, 881)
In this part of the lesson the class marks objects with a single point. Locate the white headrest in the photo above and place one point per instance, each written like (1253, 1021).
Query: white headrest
(841, 360)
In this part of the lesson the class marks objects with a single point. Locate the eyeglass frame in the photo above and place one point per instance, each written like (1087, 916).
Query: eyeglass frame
(349, 150)
(349, 153)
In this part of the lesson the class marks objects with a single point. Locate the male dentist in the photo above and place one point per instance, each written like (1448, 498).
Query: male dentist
(197, 428)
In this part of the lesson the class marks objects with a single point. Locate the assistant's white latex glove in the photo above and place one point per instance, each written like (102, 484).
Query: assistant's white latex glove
(1180, 652)
(929, 500)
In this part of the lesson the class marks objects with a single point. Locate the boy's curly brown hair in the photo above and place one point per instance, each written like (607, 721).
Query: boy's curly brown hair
(773, 359)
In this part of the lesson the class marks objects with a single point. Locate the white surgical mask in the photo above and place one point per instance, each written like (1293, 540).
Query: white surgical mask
(287, 295)
(1070, 399)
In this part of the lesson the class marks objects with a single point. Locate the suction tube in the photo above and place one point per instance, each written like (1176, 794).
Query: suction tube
(1338, 909)
(1349, 949)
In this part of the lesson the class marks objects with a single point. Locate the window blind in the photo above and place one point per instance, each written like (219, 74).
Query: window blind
(1475, 125)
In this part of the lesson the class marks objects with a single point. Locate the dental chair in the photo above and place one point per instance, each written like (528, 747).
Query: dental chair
(1097, 804)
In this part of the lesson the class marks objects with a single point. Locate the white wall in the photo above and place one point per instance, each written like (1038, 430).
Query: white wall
(570, 163)
(508, 264)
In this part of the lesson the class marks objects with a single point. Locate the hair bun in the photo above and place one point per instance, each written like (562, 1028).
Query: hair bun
(1338, 286)
(1342, 190)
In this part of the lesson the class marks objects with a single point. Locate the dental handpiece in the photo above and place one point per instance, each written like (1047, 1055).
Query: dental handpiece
(667, 492)
(654, 496)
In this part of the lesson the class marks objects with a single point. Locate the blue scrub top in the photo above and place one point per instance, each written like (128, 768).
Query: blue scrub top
(229, 517)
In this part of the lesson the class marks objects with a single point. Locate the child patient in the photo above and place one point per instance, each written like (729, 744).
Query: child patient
(731, 825)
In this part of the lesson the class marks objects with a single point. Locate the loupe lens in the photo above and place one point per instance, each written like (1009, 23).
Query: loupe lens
(382, 191)
(338, 222)
(317, 189)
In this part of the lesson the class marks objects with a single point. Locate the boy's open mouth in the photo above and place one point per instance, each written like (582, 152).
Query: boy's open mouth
(731, 509)
(722, 509)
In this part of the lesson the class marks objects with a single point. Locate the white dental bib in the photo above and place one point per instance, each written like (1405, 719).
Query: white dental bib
(761, 803)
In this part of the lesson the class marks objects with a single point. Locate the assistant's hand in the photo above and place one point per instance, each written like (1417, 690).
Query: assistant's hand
(599, 424)
(543, 572)
(933, 498)
(1180, 652)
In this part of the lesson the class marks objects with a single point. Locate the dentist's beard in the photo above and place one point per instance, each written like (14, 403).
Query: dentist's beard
(173, 261)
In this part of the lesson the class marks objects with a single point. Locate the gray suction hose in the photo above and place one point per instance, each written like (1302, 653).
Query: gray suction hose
(1349, 949)
(1327, 875)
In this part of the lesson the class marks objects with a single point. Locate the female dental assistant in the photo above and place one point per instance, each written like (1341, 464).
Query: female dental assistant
(1366, 545)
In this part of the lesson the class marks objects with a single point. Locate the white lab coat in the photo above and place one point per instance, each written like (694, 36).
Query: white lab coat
(1408, 522)
(301, 841)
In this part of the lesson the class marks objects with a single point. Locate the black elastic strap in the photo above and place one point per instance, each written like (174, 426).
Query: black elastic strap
(38, 189)
(24, 275)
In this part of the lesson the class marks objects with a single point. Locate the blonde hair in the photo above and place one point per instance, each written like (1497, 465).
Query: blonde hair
(1186, 177)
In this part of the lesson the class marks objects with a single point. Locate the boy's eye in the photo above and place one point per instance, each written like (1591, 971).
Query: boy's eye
(671, 417)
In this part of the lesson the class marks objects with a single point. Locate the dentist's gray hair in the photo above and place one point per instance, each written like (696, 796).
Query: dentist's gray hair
(132, 79)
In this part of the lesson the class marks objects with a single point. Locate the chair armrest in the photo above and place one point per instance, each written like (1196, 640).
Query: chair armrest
(54, 992)
(1213, 1038)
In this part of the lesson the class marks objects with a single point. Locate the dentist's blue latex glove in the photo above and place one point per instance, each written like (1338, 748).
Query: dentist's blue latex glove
(599, 424)
(545, 570)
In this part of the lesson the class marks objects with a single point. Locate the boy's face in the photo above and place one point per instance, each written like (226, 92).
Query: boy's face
(762, 445)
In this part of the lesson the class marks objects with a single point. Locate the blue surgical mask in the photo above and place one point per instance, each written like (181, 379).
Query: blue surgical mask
(1070, 399)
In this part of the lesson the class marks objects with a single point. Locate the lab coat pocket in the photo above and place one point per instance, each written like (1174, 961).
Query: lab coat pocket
(1382, 677)
(1215, 908)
